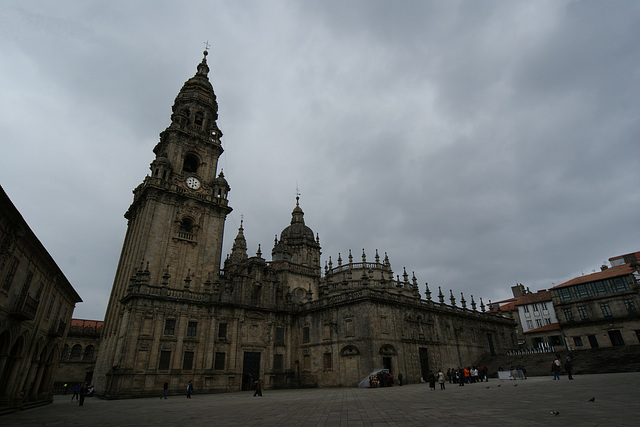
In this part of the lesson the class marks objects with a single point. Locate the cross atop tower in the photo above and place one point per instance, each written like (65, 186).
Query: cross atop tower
(206, 45)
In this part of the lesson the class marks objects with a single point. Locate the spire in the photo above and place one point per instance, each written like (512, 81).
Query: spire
(203, 68)
(297, 216)
(239, 249)
(196, 108)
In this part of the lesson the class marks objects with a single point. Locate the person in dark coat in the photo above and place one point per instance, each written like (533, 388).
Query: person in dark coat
(83, 394)
(165, 388)
(432, 380)
(568, 367)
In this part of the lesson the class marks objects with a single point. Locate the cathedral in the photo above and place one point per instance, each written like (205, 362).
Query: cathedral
(177, 314)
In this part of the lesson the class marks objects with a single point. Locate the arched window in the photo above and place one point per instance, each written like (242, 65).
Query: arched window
(76, 351)
(186, 225)
(88, 352)
(191, 163)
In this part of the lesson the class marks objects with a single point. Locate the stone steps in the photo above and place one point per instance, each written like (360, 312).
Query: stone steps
(591, 361)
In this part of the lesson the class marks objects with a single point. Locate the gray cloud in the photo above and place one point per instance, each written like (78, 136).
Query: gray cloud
(479, 144)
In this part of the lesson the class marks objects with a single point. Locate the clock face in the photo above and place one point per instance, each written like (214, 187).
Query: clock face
(193, 183)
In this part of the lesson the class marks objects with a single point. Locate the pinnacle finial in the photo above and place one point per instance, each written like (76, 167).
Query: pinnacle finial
(203, 68)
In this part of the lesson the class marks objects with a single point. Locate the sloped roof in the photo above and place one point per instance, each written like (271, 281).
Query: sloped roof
(87, 323)
(534, 297)
(545, 328)
(617, 271)
(504, 305)
(636, 254)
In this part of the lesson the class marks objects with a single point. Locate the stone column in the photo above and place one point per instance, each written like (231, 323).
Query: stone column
(38, 379)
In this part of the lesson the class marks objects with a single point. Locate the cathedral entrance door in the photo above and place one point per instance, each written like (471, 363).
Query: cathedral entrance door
(386, 363)
(250, 369)
(424, 363)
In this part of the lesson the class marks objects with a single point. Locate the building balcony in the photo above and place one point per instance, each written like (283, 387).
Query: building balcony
(25, 308)
(57, 329)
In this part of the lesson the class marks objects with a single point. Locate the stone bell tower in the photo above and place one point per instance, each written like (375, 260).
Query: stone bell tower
(175, 225)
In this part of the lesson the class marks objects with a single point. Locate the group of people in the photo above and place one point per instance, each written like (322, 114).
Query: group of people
(568, 367)
(437, 377)
(165, 389)
(382, 379)
(80, 392)
(468, 375)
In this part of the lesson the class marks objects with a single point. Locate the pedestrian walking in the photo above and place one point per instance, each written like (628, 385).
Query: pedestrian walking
(441, 379)
(258, 391)
(165, 388)
(568, 367)
(76, 392)
(432, 381)
(555, 368)
(189, 390)
(83, 394)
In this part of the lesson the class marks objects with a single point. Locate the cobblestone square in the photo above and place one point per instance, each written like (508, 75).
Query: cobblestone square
(499, 402)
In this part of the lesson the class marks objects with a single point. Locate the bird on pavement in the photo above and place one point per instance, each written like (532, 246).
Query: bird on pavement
(555, 412)
(593, 399)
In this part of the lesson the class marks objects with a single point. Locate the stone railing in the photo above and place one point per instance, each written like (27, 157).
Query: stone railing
(25, 308)
(356, 266)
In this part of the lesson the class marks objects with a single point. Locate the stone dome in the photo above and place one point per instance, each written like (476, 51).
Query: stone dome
(297, 230)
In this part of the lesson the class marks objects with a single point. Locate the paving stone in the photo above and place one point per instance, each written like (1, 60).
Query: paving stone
(529, 404)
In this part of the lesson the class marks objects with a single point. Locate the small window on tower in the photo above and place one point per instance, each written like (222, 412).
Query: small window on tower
(186, 225)
(199, 118)
(191, 163)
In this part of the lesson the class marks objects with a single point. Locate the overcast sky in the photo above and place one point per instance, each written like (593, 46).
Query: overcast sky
(480, 144)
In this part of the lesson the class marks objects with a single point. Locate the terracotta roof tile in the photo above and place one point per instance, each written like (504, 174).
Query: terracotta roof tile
(636, 254)
(87, 323)
(508, 305)
(546, 328)
(617, 271)
(532, 298)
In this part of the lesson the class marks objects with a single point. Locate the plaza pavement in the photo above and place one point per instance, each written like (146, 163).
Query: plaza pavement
(496, 403)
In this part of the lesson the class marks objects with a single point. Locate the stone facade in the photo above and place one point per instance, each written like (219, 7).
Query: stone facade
(175, 315)
(79, 353)
(601, 309)
(36, 304)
